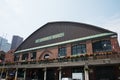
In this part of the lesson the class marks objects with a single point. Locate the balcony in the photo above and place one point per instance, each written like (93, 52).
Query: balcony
(101, 58)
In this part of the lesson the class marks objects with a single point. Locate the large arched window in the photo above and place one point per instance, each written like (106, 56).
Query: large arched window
(99, 46)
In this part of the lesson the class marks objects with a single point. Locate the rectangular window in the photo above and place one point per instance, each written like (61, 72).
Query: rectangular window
(78, 49)
(100, 46)
(33, 55)
(62, 51)
(25, 56)
(16, 58)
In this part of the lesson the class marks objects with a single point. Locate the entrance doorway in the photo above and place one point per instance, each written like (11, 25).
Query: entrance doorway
(105, 73)
(50, 74)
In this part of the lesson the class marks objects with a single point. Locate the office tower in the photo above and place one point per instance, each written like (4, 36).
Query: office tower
(4, 45)
(16, 41)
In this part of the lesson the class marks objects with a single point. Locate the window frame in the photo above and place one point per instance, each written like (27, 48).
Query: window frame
(25, 56)
(62, 51)
(33, 55)
(17, 57)
(78, 49)
(102, 46)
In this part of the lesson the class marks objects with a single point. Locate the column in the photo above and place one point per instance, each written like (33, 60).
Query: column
(1, 74)
(45, 73)
(68, 50)
(60, 73)
(89, 47)
(6, 74)
(114, 44)
(16, 73)
(86, 71)
(24, 74)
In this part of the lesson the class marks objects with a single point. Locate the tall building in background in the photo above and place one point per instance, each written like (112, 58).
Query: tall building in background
(4, 45)
(16, 41)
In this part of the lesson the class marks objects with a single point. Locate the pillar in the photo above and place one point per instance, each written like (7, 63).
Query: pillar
(25, 74)
(89, 47)
(86, 75)
(1, 73)
(86, 71)
(6, 74)
(68, 50)
(115, 44)
(60, 73)
(45, 73)
(16, 73)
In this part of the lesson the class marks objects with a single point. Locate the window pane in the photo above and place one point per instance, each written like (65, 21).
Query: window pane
(33, 55)
(78, 49)
(24, 56)
(104, 45)
(62, 51)
(16, 58)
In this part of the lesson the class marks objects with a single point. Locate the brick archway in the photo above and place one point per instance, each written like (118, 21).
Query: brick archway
(46, 53)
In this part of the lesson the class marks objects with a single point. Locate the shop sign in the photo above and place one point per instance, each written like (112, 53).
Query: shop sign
(49, 37)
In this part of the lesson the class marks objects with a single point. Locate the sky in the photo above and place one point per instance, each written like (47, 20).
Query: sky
(23, 17)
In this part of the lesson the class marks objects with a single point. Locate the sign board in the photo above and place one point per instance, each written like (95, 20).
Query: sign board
(55, 36)
(77, 76)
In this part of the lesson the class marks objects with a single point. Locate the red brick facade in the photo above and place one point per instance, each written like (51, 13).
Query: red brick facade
(115, 44)
(9, 56)
(53, 51)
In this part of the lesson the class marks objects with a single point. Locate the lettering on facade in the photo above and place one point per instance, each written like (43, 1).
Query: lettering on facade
(49, 37)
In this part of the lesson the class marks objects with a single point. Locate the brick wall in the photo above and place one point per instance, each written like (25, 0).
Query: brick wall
(68, 49)
(115, 44)
(52, 51)
(89, 47)
(9, 56)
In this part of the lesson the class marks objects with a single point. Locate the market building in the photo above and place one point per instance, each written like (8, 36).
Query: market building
(73, 50)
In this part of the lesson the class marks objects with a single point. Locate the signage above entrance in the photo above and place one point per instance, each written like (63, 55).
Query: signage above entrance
(49, 37)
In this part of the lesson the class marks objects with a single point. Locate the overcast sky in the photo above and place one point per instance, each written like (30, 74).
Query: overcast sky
(23, 17)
